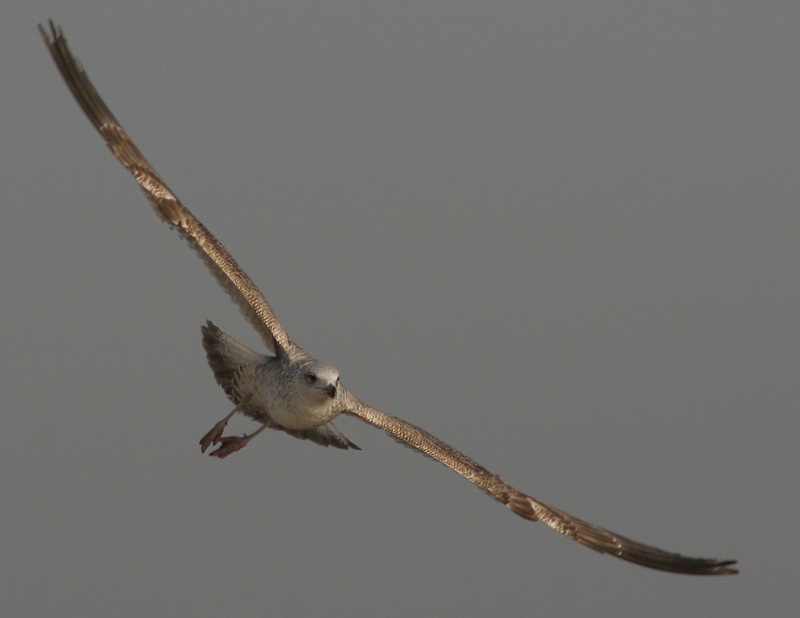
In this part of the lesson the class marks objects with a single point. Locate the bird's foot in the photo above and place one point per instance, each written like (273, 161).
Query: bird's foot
(214, 436)
(231, 444)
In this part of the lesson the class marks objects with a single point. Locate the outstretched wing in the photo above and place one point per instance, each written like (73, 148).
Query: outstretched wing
(259, 313)
(585, 533)
(221, 264)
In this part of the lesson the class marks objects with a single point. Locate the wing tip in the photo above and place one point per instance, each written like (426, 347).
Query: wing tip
(724, 567)
(55, 31)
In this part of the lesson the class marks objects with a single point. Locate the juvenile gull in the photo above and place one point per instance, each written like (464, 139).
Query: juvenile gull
(291, 391)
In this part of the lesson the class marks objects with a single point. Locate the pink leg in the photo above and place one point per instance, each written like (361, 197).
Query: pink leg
(231, 444)
(215, 435)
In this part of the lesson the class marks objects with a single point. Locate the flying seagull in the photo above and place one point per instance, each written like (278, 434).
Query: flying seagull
(293, 392)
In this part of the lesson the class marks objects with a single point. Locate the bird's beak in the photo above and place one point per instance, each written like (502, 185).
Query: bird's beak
(331, 390)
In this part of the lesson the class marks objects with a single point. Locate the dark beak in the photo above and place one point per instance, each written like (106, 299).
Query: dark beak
(331, 390)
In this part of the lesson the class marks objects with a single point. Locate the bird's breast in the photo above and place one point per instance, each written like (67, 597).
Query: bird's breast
(292, 406)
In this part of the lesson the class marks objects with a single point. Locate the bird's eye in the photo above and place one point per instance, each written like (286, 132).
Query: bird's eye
(311, 376)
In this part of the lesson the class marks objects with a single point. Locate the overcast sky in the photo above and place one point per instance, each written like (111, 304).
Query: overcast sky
(561, 236)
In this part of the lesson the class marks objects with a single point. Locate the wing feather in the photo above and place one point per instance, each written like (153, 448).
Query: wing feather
(259, 313)
(228, 273)
(587, 534)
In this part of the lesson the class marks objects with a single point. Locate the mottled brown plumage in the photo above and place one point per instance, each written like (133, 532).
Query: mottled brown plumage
(245, 383)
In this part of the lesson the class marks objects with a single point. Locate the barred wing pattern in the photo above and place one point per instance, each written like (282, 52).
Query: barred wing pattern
(221, 264)
(258, 312)
(594, 537)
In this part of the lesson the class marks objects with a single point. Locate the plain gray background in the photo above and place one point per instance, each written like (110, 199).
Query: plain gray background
(561, 236)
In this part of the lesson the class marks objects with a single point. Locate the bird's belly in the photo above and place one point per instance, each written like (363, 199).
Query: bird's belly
(287, 404)
(292, 417)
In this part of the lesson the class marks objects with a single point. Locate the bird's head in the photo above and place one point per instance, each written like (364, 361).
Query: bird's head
(321, 380)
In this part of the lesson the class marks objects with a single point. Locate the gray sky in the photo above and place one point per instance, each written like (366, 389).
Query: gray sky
(561, 236)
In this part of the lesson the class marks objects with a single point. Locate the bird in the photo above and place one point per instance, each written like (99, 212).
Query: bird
(289, 390)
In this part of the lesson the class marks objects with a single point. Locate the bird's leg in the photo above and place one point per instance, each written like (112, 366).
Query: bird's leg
(215, 435)
(231, 444)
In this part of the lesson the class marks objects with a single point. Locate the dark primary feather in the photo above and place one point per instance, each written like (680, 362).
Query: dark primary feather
(259, 313)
